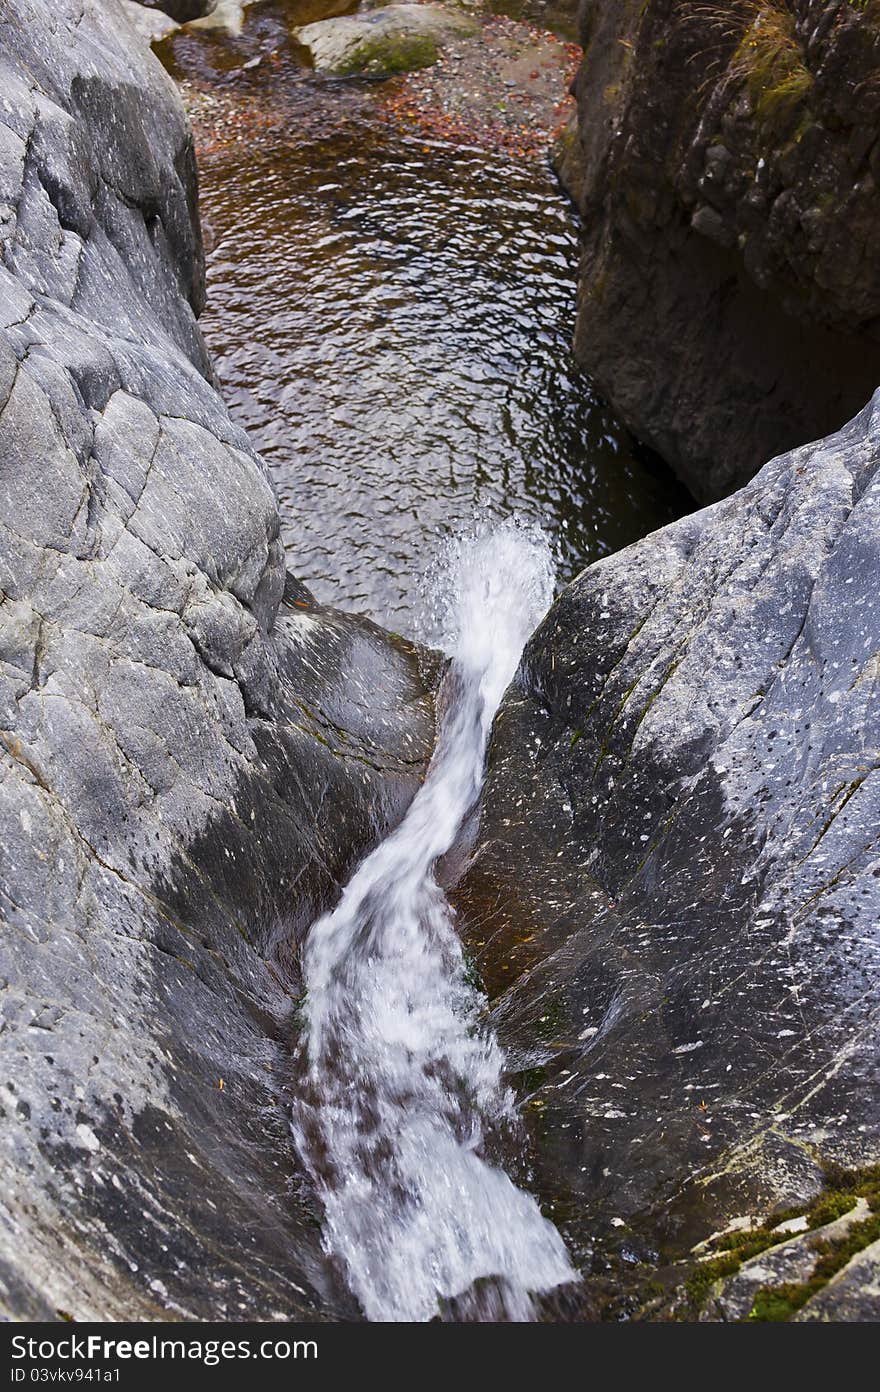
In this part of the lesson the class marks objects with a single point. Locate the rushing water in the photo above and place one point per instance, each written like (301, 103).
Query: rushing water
(401, 1080)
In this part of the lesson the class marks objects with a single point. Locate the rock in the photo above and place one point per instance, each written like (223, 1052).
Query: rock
(853, 1295)
(727, 171)
(193, 754)
(150, 23)
(301, 12)
(180, 11)
(396, 38)
(225, 16)
(686, 975)
(789, 1263)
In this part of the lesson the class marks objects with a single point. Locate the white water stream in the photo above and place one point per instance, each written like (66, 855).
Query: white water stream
(401, 1079)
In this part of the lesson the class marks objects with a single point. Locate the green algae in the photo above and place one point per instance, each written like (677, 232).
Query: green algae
(391, 53)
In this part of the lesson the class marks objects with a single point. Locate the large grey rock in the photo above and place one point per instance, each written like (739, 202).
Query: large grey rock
(192, 753)
(223, 17)
(674, 893)
(150, 22)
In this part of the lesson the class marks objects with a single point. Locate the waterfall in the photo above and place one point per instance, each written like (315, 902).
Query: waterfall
(400, 1078)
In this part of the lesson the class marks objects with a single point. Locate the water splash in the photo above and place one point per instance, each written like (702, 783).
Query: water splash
(401, 1080)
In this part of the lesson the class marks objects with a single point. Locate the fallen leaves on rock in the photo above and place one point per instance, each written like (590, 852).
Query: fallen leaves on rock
(504, 91)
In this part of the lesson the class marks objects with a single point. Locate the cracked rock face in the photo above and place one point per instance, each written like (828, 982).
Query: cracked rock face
(688, 974)
(726, 163)
(192, 753)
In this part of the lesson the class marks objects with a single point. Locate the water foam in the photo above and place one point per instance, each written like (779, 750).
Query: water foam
(400, 1078)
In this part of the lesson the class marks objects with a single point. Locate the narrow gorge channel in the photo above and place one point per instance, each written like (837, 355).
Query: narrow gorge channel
(391, 318)
(402, 1079)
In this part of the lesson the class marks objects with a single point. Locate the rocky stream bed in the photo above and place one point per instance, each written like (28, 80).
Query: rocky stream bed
(667, 897)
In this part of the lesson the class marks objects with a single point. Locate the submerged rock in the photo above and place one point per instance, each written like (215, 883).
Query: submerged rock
(193, 754)
(726, 164)
(396, 38)
(674, 894)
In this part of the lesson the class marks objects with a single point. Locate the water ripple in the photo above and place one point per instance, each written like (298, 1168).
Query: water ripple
(393, 326)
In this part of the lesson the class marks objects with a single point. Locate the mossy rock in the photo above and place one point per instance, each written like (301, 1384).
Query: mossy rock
(382, 42)
(770, 57)
(393, 53)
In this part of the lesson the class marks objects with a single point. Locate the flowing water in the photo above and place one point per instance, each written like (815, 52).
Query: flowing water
(401, 1080)
(391, 320)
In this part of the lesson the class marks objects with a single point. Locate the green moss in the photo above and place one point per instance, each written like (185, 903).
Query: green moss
(531, 1080)
(652, 1290)
(830, 1207)
(836, 1252)
(701, 1281)
(864, 1182)
(392, 53)
(778, 1303)
(472, 974)
(749, 1243)
(777, 80)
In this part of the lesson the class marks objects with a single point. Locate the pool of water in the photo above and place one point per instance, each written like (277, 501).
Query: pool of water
(391, 320)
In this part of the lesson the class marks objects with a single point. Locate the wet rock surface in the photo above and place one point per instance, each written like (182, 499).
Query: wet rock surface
(673, 893)
(193, 753)
(502, 87)
(726, 164)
